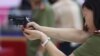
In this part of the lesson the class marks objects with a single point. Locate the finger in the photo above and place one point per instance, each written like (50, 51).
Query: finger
(30, 24)
(30, 28)
(26, 35)
(27, 31)
(31, 31)
(27, 28)
(29, 37)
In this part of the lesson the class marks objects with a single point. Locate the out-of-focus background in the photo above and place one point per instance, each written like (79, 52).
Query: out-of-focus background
(55, 13)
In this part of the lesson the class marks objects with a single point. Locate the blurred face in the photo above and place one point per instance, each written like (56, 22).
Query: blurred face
(89, 18)
(35, 4)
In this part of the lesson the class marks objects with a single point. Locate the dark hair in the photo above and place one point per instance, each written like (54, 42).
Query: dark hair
(25, 5)
(52, 1)
(94, 5)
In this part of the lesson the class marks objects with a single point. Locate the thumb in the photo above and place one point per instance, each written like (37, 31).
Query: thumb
(32, 31)
(32, 24)
(27, 31)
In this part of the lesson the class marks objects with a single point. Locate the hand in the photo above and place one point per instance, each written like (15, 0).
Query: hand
(34, 34)
(33, 25)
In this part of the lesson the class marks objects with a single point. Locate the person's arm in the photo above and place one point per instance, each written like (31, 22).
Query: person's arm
(40, 51)
(50, 47)
(64, 34)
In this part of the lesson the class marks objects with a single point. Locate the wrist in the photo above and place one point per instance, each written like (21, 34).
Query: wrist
(44, 41)
(43, 38)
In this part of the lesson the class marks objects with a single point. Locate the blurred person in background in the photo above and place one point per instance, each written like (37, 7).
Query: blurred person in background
(90, 38)
(67, 15)
(42, 13)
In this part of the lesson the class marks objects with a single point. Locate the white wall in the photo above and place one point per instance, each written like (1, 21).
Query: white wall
(80, 1)
(9, 3)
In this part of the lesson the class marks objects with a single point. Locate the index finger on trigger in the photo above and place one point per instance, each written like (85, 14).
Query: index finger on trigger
(29, 25)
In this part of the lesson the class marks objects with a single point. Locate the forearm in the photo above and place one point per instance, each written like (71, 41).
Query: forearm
(52, 49)
(40, 51)
(65, 34)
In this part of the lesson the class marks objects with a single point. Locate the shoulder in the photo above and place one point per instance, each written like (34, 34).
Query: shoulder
(65, 6)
